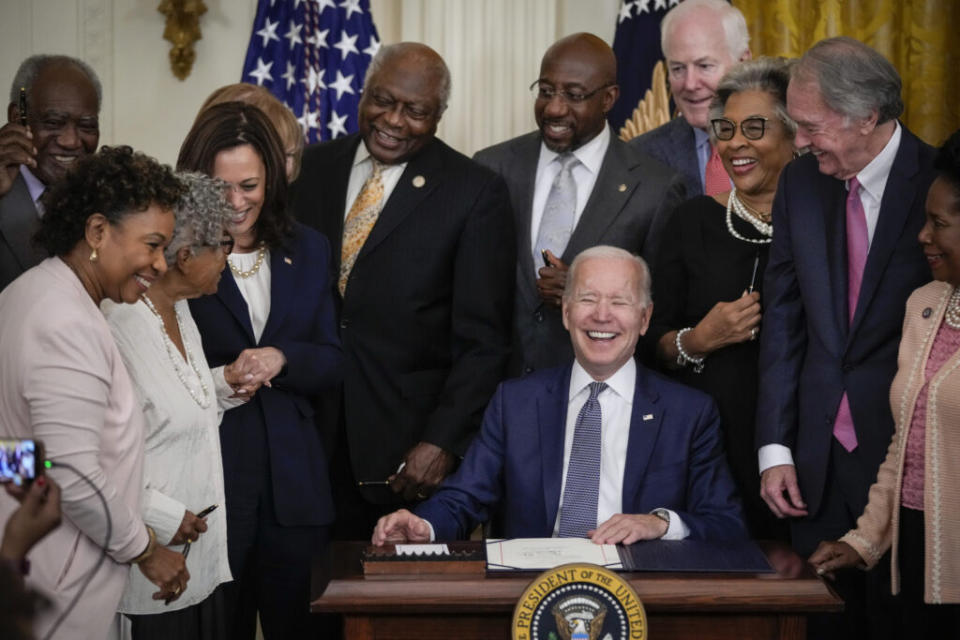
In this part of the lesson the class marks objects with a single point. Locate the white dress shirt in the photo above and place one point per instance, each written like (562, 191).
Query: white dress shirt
(616, 407)
(182, 467)
(873, 182)
(585, 174)
(255, 289)
(361, 170)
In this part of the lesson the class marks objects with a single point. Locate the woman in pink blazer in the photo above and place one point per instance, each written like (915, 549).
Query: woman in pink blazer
(914, 506)
(62, 381)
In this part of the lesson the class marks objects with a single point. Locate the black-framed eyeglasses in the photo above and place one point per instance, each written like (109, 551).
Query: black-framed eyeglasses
(752, 128)
(226, 245)
(543, 91)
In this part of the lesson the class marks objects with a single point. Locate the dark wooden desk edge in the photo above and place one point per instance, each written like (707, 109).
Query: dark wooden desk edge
(338, 586)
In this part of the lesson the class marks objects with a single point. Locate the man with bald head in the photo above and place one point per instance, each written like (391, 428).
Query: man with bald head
(62, 107)
(698, 54)
(573, 185)
(424, 250)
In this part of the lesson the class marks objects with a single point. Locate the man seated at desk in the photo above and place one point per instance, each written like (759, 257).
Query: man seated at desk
(602, 448)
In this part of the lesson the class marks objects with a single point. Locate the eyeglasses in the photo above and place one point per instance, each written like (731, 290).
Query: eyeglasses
(752, 128)
(226, 245)
(544, 91)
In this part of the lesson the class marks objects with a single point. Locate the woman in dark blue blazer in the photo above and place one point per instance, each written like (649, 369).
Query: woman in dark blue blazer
(274, 312)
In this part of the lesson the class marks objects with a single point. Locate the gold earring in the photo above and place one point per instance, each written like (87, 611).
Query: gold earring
(93, 256)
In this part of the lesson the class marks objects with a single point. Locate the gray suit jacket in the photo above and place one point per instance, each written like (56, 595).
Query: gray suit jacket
(631, 201)
(674, 145)
(18, 223)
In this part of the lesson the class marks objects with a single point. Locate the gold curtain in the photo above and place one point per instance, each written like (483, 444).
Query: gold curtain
(918, 36)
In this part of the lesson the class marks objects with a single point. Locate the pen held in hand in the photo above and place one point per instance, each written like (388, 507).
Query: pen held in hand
(23, 106)
(753, 276)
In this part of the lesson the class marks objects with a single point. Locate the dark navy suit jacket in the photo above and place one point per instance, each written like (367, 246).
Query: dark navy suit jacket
(675, 145)
(808, 354)
(301, 325)
(675, 461)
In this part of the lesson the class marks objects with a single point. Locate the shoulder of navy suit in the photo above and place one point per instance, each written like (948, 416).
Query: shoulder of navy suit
(501, 151)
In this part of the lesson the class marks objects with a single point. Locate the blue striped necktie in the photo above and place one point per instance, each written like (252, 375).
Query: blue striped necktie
(578, 509)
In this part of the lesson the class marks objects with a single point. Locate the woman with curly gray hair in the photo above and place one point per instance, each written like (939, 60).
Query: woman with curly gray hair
(183, 475)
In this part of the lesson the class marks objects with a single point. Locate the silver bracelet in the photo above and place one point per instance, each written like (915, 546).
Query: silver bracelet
(684, 358)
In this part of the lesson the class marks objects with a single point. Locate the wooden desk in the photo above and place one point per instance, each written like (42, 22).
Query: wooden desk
(679, 606)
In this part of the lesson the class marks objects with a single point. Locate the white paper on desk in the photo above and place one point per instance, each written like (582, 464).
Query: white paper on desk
(547, 553)
(422, 549)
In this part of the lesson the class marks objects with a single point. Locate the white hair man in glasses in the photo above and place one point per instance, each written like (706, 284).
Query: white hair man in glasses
(573, 185)
(698, 54)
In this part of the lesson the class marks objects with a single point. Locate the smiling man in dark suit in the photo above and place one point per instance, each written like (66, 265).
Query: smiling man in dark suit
(424, 251)
(574, 185)
(843, 261)
(600, 447)
(63, 103)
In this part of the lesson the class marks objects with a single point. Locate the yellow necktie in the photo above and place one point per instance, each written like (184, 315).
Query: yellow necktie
(360, 220)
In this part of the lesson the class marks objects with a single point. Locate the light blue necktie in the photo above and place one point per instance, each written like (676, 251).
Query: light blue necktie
(556, 225)
(578, 509)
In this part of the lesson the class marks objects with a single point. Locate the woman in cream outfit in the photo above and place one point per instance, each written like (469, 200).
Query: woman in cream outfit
(183, 472)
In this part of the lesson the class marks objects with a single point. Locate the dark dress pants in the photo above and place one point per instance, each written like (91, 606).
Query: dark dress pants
(270, 562)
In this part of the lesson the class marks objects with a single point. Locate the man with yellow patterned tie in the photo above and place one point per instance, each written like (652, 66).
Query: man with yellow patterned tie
(426, 255)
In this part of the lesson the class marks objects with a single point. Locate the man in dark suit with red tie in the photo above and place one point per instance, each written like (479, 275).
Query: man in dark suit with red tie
(844, 260)
(424, 253)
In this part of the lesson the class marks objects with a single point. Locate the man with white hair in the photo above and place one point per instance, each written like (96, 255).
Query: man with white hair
(843, 261)
(553, 450)
(698, 54)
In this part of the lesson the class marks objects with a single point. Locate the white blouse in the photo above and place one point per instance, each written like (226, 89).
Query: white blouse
(255, 289)
(182, 466)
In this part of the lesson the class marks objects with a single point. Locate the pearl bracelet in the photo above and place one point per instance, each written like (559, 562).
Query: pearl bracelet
(684, 358)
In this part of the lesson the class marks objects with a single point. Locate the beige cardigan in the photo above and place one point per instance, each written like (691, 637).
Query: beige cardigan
(878, 528)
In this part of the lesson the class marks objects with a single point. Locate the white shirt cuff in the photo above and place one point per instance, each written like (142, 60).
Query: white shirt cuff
(433, 535)
(224, 390)
(772, 455)
(677, 529)
(163, 514)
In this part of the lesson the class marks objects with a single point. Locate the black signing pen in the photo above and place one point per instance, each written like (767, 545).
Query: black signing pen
(23, 106)
(546, 258)
(207, 511)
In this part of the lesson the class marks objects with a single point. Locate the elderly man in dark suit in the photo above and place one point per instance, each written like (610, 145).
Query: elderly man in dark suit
(424, 251)
(62, 107)
(698, 54)
(600, 447)
(844, 260)
(610, 194)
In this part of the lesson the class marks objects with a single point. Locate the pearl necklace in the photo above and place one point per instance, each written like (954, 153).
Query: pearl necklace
(176, 359)
(254, 269)
(735, 206)
(952, 315)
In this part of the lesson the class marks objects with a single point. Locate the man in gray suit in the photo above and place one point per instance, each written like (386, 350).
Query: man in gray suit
(573, 185)
(698, 54)
(62, 106)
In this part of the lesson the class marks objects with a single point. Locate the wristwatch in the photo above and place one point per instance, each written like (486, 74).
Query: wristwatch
(664, 515)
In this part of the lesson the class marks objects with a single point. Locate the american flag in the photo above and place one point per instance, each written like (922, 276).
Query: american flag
(637, 47)
(312, 55)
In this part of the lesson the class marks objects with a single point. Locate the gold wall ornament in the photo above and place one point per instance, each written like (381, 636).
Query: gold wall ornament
(183, 29)
(653, 109)
(917, 36)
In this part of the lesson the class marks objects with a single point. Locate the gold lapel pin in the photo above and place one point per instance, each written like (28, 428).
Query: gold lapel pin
(622, 188)
(288, 260)
(419, 181)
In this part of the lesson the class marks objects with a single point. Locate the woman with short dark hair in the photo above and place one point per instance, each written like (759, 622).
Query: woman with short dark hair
(62, 381)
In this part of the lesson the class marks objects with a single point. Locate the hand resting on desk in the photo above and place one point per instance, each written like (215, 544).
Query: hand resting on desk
(400, 527)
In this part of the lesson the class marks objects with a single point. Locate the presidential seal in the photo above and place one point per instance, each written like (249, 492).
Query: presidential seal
(579, 602)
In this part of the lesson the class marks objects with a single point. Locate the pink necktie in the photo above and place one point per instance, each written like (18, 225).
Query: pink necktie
(715, 179)
(858, 243)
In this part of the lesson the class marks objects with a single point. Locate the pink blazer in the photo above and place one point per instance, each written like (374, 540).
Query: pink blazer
(62, 381)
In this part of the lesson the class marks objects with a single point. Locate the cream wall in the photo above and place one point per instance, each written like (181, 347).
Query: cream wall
(492, 46)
